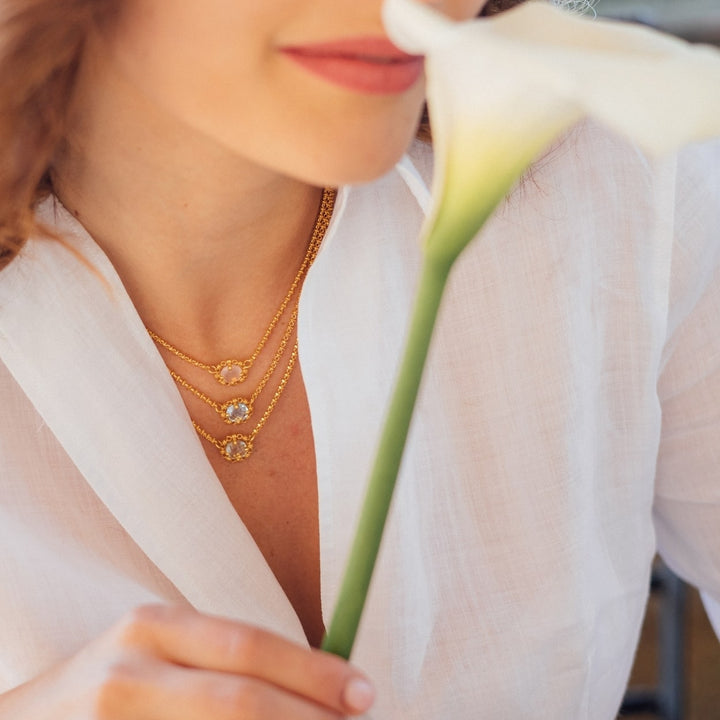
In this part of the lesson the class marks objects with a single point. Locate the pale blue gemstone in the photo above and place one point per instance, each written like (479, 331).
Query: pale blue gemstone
(238, 412)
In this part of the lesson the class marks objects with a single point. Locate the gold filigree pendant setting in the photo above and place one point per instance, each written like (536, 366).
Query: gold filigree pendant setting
(236, 411)
(231, 372)
(236, 447)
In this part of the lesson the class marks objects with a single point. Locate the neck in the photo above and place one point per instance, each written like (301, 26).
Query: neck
(199, 235)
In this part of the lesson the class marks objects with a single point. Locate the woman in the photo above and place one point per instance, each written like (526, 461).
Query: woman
(184, 442)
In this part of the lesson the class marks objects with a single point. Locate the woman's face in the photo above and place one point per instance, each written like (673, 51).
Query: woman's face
(308, 88)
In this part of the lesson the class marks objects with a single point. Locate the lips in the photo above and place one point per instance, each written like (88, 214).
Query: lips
(370, 65)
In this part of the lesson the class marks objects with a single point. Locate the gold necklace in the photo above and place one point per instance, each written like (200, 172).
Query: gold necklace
(232, 371)
(237, 446)
(240, 409)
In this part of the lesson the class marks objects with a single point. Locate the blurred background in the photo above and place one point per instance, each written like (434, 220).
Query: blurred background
(695, 20)
(677, 668)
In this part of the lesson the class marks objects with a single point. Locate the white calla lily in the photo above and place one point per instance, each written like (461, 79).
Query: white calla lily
(499, 91)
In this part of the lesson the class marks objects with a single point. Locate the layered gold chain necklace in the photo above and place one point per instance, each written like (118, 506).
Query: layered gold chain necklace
(237, 410)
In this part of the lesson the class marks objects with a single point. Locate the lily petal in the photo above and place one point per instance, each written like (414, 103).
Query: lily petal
(501, 89)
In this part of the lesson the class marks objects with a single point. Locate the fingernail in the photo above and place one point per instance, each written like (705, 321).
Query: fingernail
(358, 694)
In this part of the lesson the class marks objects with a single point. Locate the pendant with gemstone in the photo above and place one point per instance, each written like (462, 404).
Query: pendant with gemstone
(236, 411)
(231, 372)
(236, 447)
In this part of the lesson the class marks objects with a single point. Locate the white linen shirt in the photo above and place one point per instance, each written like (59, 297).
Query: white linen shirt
(568, 423)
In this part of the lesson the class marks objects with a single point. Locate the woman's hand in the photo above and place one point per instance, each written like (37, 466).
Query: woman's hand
(170, 663)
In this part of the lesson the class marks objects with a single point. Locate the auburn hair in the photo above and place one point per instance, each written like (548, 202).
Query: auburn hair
(41, 43)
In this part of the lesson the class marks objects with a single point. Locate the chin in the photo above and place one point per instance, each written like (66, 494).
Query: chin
(355, 160)
(347, 172)
(350, 142)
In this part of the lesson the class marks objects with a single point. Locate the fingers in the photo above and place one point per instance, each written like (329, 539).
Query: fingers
(242, 665)
(160, 691)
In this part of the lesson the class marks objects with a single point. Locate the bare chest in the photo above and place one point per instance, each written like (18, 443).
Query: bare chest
(274, 492)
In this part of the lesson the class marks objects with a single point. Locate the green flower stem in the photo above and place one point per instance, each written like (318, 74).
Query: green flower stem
(346, 618)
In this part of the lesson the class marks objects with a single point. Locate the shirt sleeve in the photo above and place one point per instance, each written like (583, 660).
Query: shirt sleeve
(687, 492)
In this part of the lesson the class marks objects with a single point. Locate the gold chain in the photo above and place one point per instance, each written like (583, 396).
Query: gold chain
(232, 372)
(238, 447)
(240, 409)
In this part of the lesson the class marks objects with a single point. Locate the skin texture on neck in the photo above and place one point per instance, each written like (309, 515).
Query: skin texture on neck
(178, 213)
